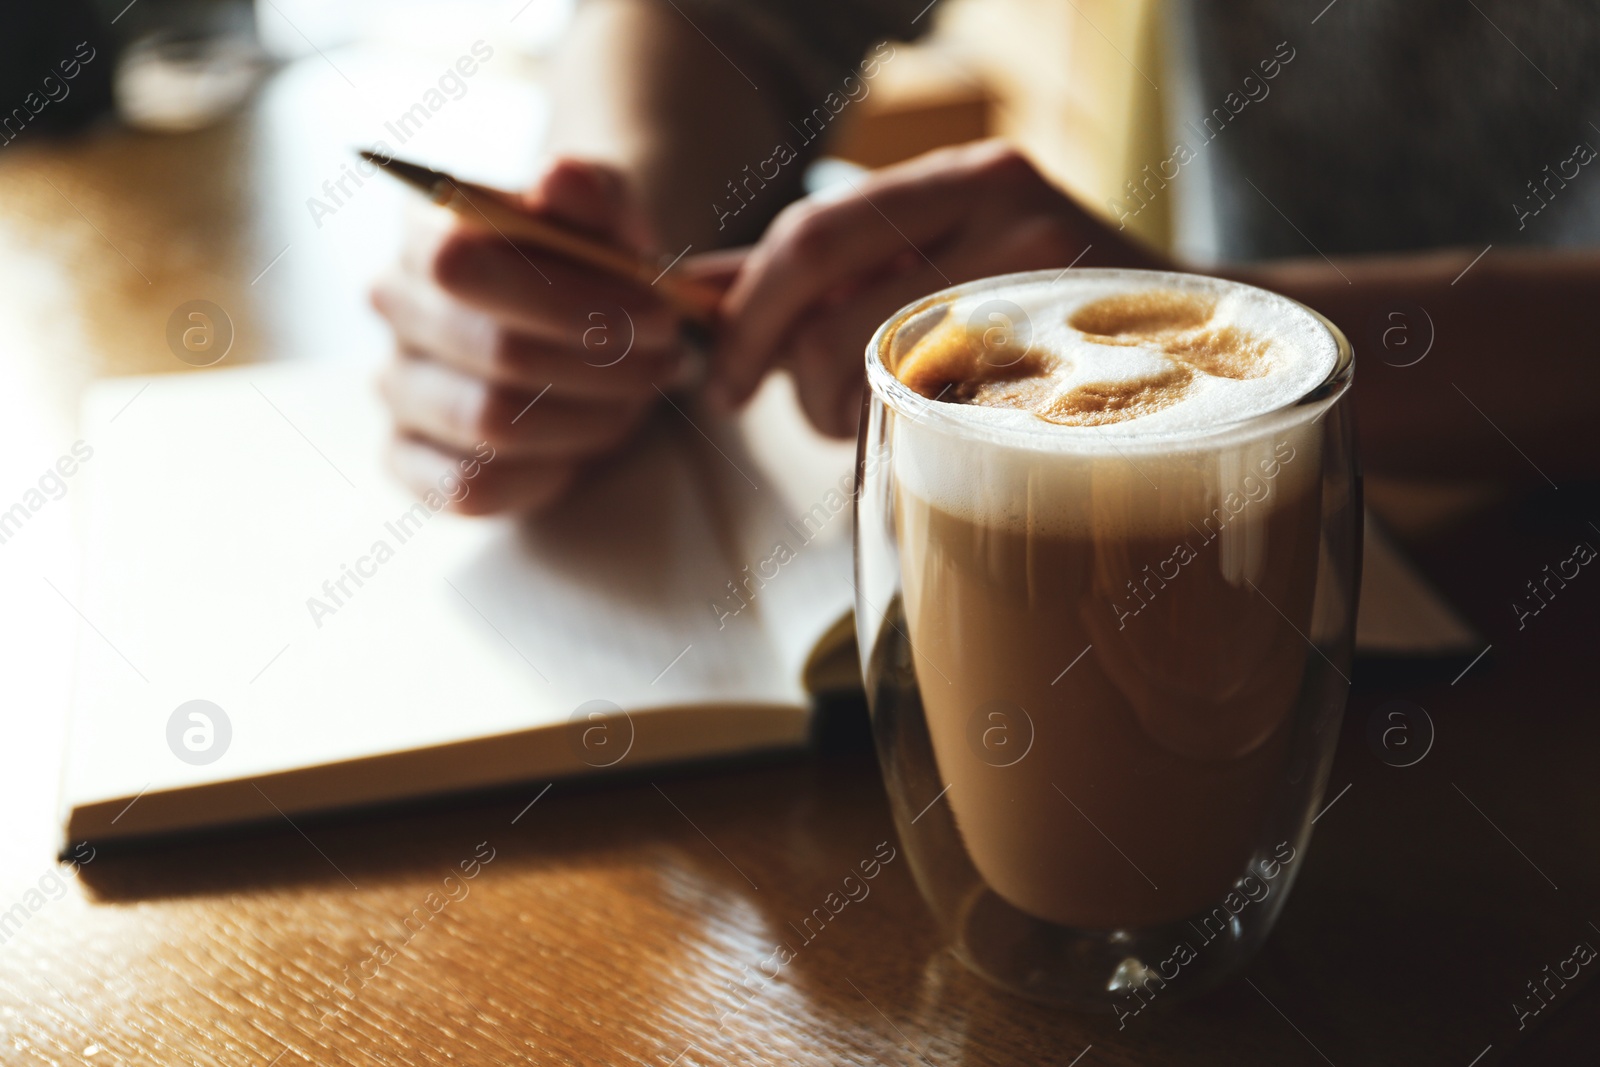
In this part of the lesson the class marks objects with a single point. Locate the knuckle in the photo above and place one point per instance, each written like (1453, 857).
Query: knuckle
(456, 260)
(1004, 164)
(789, 217)
(386, 380)
(505, 350)
(381, 295)
(473, 506)
(484, 498)
(811, 237)
(608, 185)
(486, 415)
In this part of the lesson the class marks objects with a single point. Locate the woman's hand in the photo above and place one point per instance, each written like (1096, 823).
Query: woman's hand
(830, 269)
(549, 363)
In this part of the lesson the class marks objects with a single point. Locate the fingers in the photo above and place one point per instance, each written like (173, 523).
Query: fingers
(827, 356)
(822, 244)
(535, 293)
(606, 359)
(544, 362)
(458, 412)
(586, 195)
(811, 250)
(594, 197)
(482, 482)
(531, 290)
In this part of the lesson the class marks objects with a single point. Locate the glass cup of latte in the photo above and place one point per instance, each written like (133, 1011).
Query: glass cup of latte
(1108, 530)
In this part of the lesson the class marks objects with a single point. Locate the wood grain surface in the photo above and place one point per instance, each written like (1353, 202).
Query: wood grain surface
(634, 922)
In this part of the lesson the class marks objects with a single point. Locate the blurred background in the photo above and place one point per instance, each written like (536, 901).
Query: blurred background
(182, 160)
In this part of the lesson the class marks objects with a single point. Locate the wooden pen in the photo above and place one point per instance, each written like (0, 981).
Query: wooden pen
(499, 211)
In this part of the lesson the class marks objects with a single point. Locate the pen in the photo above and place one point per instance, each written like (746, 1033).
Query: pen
(482, 204)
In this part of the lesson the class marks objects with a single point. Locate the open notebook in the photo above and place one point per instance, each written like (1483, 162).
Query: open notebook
(244, 547)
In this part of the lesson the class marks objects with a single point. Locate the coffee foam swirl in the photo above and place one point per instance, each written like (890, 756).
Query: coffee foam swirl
(1131, 352)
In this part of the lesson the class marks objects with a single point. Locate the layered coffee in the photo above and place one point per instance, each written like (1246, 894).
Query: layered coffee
(1108, 559)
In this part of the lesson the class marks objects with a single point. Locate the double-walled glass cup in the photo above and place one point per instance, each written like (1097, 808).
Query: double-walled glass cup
(1106, 670)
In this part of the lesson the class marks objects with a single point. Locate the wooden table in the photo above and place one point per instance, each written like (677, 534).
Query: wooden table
(626, 923)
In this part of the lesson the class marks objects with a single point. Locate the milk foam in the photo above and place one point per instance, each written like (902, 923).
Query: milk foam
(1298, 351)
(1153, 473)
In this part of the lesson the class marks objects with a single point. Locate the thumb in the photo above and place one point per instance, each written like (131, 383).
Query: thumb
(593, 197)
